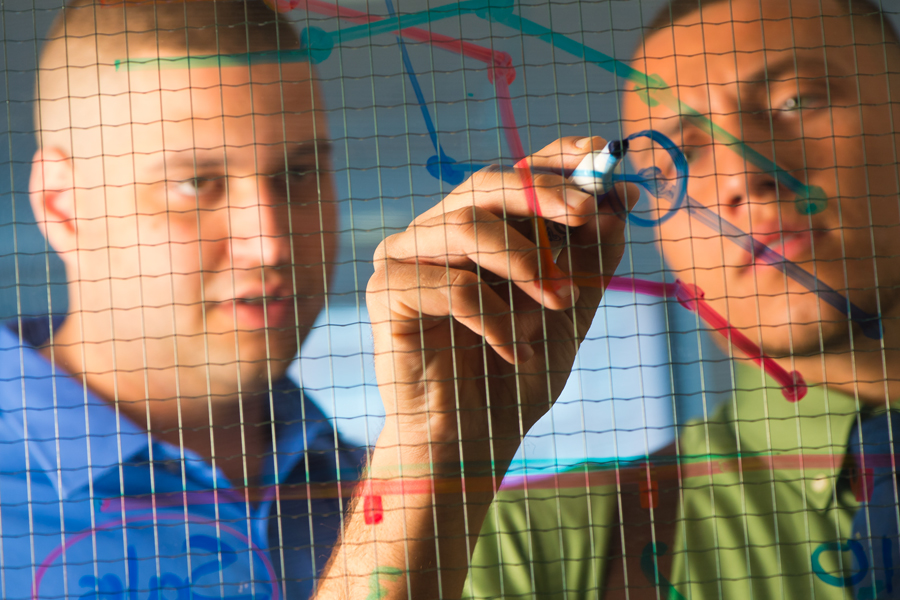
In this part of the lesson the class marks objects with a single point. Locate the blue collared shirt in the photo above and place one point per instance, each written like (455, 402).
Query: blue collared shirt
(91, 506)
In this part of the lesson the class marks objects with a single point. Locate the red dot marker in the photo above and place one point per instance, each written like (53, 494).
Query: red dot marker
(373, 511)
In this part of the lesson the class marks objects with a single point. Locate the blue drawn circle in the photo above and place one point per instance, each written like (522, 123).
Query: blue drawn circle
(649, 179)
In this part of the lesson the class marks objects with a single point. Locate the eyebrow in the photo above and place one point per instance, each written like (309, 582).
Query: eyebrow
(777, 69)
(764, 74)
(313, 149)
(200, 158)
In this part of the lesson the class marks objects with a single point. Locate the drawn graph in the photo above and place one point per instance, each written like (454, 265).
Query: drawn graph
(409, 144)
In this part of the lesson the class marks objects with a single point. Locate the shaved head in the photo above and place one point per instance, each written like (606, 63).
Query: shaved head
(80, 62)
(675, 10)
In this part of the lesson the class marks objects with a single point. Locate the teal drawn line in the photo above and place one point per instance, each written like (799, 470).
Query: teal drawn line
(409, 20)
(376, 591)
(318, 45)
(243, 59)
(810, 199)
(652, 89)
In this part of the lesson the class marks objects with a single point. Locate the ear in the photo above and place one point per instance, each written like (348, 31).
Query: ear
(52, 195)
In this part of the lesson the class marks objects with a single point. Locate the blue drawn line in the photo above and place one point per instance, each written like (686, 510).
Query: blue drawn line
(411, 20)
(841, 581)
(440, 166)
(652, 88)
(810, 199)
(318, 45)
(650, 180)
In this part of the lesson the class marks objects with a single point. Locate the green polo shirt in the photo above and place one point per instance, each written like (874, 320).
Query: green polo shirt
(762, 513)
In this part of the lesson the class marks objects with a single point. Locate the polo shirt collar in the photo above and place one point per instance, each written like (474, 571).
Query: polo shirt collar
(76, 437)
(800, 441)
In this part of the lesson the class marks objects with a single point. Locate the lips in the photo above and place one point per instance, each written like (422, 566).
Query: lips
(255, 308)
(258, 314)
(790, 245)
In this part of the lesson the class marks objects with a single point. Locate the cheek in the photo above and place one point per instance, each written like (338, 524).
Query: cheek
(174, 259)
(690, 250)
(315, 233)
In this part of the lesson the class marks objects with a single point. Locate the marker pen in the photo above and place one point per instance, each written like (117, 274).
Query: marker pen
(593, 175)
(594, 172)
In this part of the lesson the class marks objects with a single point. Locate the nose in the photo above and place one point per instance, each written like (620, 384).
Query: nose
(260, 224)
(748, 193)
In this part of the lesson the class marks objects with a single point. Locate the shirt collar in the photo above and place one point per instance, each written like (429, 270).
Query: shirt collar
(800, 441)
(76, 437)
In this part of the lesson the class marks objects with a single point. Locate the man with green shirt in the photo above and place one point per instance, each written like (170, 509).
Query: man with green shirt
(763, 498)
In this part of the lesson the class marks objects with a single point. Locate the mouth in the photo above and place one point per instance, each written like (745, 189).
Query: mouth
(258, 311)
(776, 249)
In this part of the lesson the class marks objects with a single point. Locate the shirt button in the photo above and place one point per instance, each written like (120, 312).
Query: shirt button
(820, 483)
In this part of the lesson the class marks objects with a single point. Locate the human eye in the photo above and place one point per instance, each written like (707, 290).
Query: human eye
(192, 188)
(798, 102)
(299, 174)
(293, 180)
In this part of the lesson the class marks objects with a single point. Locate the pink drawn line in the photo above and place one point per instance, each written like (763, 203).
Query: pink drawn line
(583, 475)
(501, 73)
(692, 298)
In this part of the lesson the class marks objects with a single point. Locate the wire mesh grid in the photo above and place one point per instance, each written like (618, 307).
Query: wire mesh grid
(486, 298)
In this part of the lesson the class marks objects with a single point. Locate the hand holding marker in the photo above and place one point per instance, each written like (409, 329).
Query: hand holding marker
(594, 175)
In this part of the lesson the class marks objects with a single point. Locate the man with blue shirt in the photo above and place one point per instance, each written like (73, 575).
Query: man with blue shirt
(151, 444)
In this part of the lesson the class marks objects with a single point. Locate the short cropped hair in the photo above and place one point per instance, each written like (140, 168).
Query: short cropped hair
(89, 36)
(867, 9)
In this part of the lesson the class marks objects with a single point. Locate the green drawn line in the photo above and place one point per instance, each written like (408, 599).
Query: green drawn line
(376, 592)
(811, 199)
(243, 59)
(652, 89)
(409, 20)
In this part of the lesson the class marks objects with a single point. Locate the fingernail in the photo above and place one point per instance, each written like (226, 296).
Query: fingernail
(577, 198)
(583, 143)
(524, 352)
(566, 289)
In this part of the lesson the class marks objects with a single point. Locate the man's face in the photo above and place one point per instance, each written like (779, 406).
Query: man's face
(809, 94)
(202, 226)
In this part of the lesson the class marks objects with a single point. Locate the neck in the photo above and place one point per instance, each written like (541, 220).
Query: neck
(222, 422)
(865, 368)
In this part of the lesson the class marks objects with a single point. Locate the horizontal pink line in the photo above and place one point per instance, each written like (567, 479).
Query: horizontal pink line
(591, 476)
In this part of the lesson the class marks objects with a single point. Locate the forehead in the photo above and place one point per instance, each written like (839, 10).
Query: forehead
(234, 107)
(736, 41)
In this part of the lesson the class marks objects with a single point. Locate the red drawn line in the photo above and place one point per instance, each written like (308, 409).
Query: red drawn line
(579, 477)
(692, 298)
(501, 73)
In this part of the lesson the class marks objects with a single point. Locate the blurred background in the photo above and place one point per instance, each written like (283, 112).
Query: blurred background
(646, 367)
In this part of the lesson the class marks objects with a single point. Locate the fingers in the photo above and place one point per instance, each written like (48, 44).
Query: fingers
(440, 268)
(539, 179)
(593, 251)
(411, 291)
(467, 237)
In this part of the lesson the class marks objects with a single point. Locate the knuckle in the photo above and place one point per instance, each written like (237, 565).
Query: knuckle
(486, 178)
(546, 181)
(524, 260)
(377, 282)
(458, 280)
(380, 253)
(466, 220)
